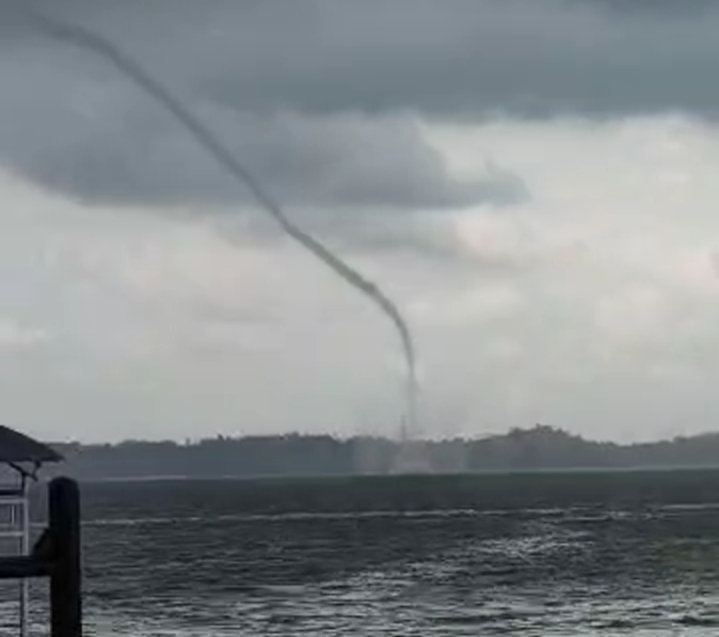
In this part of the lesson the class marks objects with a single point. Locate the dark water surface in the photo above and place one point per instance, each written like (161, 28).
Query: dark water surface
(533, 554)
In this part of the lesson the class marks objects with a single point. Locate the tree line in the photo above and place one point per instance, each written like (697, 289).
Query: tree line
(538, 448)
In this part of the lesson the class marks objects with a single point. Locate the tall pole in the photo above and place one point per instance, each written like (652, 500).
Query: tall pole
(24, 550)
(65, 579)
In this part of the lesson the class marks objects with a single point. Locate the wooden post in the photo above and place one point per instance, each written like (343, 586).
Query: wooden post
(65, 576)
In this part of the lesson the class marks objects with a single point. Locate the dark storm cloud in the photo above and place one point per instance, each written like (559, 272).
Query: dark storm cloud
(453, 57)
(317, 97)
(474, 57)
(135, 154)
(71, 123)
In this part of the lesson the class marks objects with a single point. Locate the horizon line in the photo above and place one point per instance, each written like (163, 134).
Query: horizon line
(343, 438)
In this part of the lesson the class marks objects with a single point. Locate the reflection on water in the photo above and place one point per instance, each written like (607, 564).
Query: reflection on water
(628, 554)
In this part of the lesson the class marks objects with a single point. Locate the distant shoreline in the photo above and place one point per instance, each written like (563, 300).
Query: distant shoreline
(539, 449)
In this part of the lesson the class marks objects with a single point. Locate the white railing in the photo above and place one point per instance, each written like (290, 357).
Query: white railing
(15, 526)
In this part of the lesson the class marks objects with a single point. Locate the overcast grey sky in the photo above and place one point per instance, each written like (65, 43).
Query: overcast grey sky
(533, 181)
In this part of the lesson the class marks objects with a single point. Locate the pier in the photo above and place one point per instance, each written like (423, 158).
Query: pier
(56, 553)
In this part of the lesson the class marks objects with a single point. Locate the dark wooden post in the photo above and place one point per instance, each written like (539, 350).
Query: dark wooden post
(65, 576)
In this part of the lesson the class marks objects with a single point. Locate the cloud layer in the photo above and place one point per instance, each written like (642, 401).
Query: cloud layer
(95, 136)
(321, 99)
(461, 57)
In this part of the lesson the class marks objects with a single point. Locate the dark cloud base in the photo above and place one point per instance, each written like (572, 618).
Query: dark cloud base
(319, 98)
(527, 57)
(101, 140)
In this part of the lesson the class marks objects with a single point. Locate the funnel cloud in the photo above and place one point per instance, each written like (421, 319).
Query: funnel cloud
(96, 44)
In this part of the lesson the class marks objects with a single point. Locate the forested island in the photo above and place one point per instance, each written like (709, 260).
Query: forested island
(538, 448)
